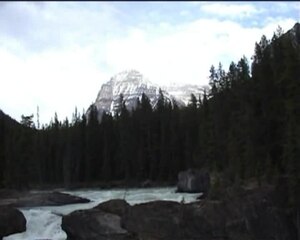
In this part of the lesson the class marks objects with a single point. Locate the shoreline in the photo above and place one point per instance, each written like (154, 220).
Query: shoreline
(93, 186)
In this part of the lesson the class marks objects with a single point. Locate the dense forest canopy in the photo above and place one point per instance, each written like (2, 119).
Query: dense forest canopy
(246, 125)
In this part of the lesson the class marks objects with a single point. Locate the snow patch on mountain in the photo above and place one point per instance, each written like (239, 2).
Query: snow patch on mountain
(132, 84)
(184, 91)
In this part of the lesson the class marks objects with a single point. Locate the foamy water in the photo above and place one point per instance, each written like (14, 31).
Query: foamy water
(44, 223)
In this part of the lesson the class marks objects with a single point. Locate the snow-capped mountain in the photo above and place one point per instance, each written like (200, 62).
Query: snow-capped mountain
(132, 84)
(184, 91)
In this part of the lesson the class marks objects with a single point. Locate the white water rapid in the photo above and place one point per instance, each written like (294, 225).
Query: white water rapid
(44, 223)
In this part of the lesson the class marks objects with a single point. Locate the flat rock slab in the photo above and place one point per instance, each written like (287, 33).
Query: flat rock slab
(94, 224)
(29, 199)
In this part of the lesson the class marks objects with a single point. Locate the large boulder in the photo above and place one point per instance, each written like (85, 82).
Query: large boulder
(193, 181)
(97, 224)
(11, 221)
(154, 220)
(167, 220)
(29, 199)
(114, 206)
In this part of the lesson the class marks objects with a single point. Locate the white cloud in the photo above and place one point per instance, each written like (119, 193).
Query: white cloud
(56, 81)
(56, 25)
(66, 51)
(50, 57)
(184, 13)
(231, 10)
(271, 24)
(186, 53)
(297, 7)
(285, 7)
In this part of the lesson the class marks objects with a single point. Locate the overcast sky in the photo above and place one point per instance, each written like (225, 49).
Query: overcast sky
(56, 55)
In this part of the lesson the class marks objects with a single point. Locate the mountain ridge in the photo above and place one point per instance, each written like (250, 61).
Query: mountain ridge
(132, 84)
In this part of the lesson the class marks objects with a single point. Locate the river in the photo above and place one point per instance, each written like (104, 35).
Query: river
(44, 223)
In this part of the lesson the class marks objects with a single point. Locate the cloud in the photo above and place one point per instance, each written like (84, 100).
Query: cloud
(284, 7)
(297, 6)
(49, 56)
(54, 25)
(230, 10)
(54, 81)
(57, 55)
(184, 13)
(186, 53)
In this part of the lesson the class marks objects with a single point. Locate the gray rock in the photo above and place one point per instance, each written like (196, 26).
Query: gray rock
(193, 181)
(154, 220)
(28, 199)
(96, 224)
(114, 206)
(132, 84)
(11, 221)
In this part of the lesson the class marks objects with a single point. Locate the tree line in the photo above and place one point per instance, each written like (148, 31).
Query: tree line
(246, 125)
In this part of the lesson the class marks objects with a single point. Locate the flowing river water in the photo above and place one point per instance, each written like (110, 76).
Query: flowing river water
(44, 223)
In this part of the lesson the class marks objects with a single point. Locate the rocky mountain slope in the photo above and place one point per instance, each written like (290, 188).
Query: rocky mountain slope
(132, 84)
(183, 91)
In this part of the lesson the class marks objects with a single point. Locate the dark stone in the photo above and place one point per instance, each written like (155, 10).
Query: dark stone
(202, 196)
(203, 221)
(41, 199)
(11, 221)
(154, 220)
(58, 198)
(193, 181)
(174, 221)
(114, 206)
(97, 224)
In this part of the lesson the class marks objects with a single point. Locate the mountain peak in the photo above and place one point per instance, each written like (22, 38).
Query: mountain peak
(129, 72)
(132, 84)
(128, 75)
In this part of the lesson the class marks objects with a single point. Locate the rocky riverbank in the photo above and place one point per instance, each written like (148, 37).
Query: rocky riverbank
(238, 214)
(14, 198)
(225, 212)
(13, 221)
